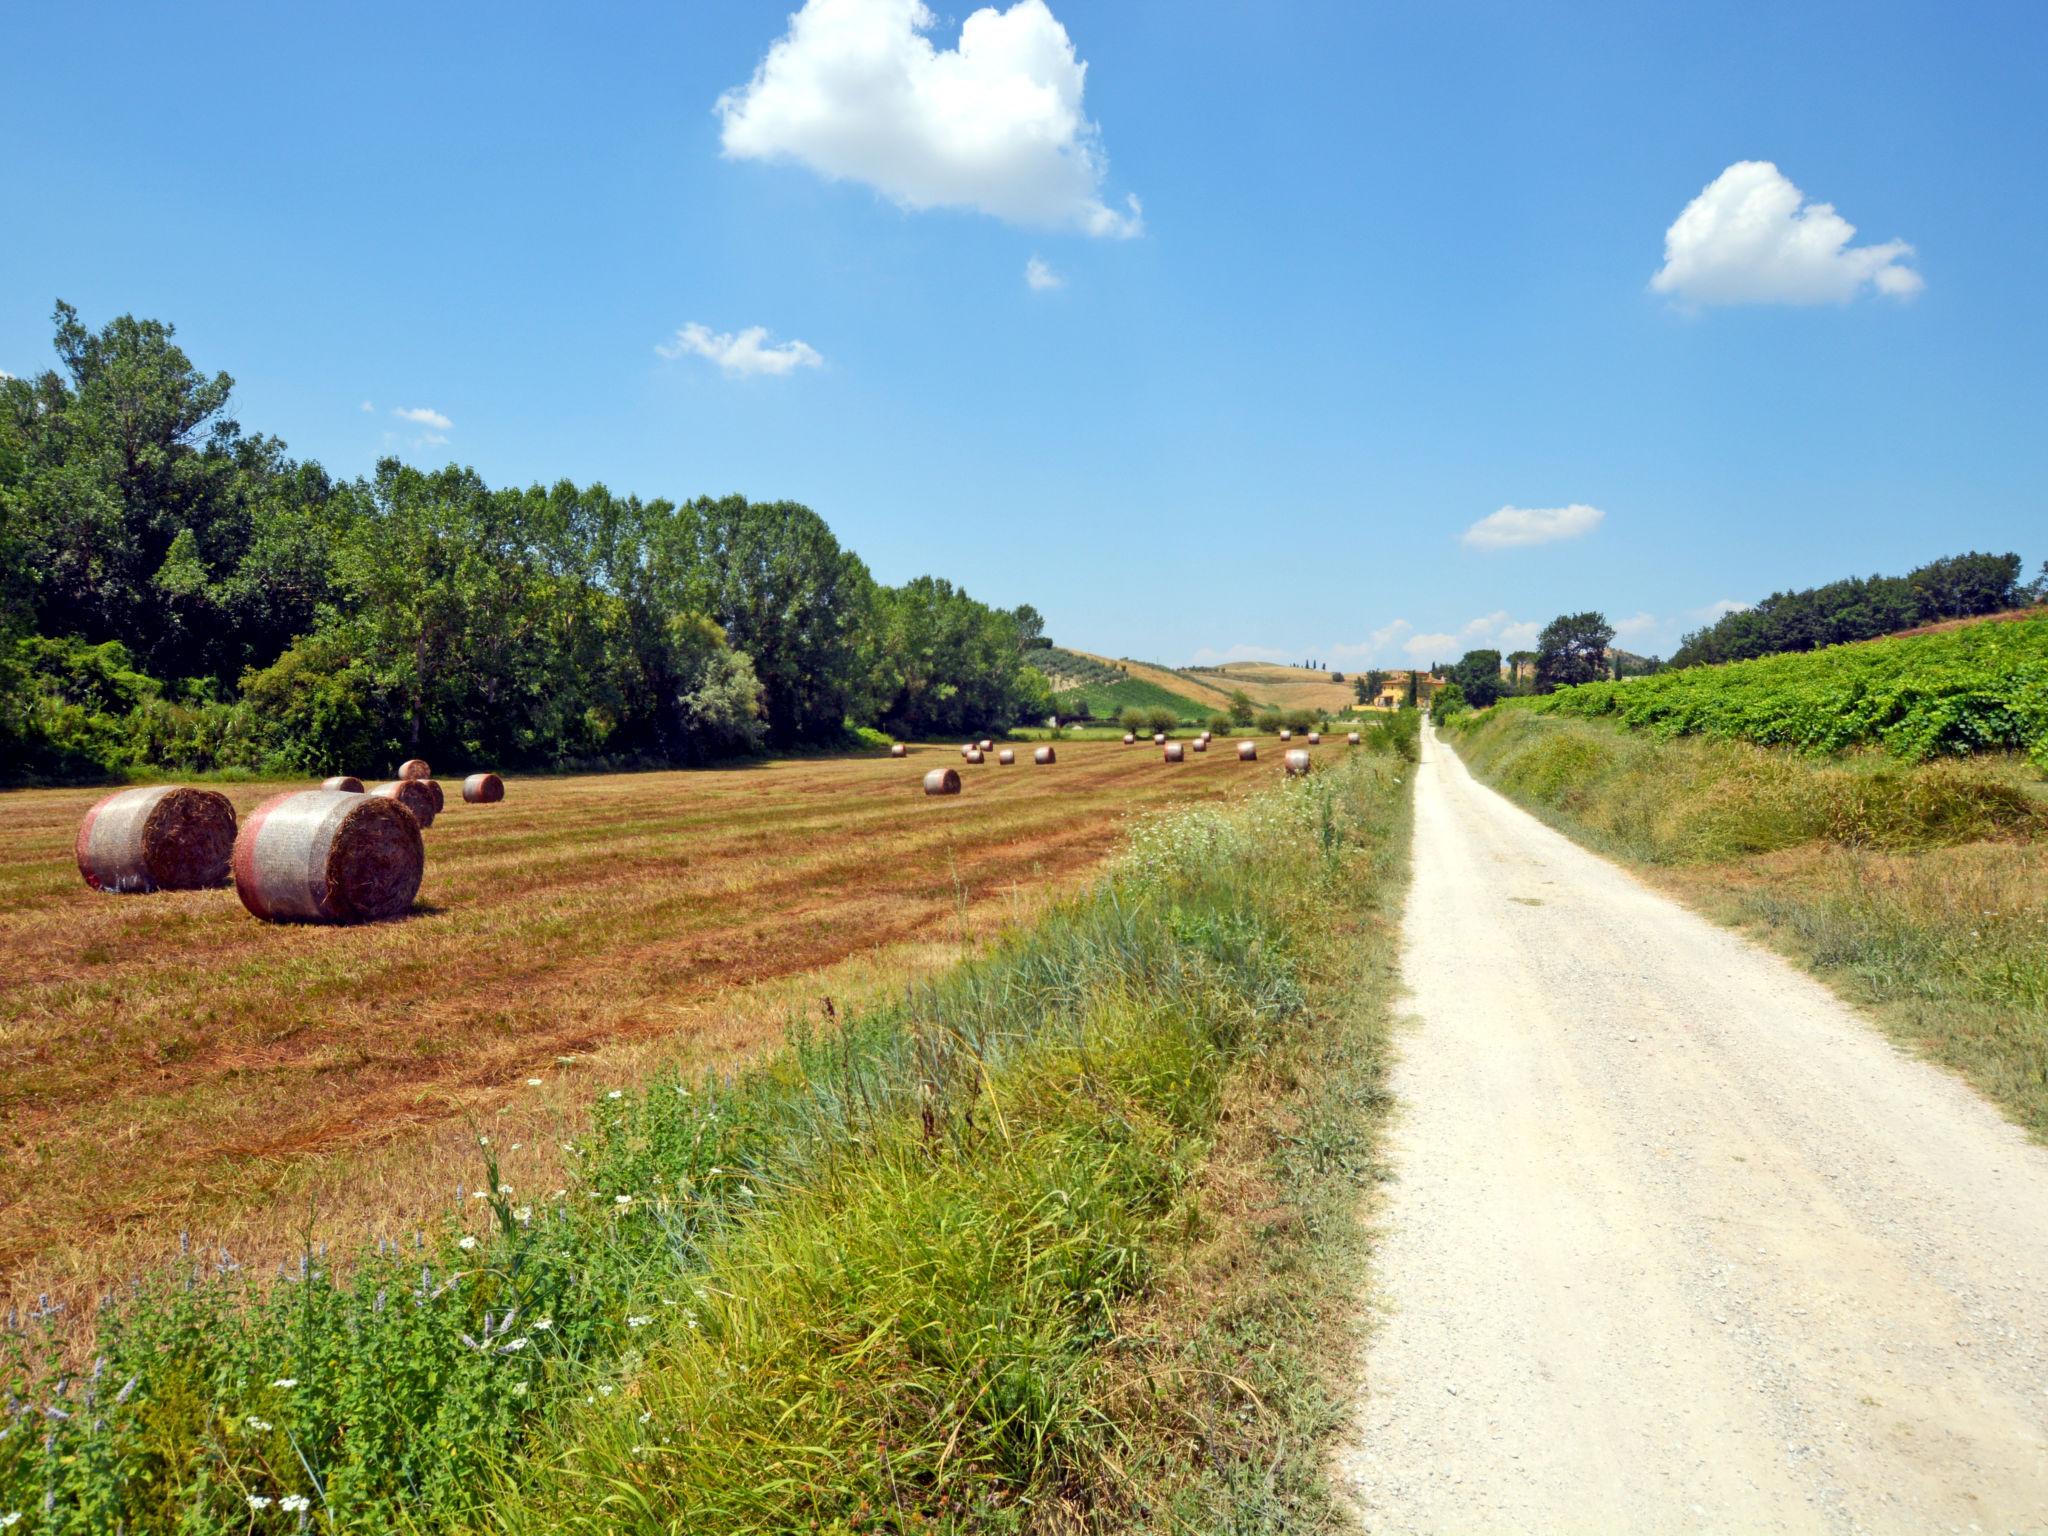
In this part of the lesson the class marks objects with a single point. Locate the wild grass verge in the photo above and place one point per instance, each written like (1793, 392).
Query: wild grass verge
(940, 1267)
(1919, 891)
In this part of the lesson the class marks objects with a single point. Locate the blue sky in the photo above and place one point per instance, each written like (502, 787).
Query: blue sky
(1390, 272)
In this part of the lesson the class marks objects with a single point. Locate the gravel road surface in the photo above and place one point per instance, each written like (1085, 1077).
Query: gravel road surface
(1676, 1242)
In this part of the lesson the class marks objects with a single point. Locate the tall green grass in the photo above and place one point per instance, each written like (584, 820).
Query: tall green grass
(876, 1282)
(1689, 801)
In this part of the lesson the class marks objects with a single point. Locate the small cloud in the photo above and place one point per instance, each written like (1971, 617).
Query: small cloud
(742, 354)
(1638, 626)
(1401, 641)
(1751, 238)
(369, 409)
(424, 416)
(1517, 527)
(1039, 277)
(855, 91)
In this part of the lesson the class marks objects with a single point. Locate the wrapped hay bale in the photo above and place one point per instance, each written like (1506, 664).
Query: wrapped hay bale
(966, 748)
(415, 768)
(1351, 739)
(1298, 763)
(1175, 752)
(414, 795)
(326, 856)
(1045, 755)
(1286, 735)
(346, 783)
(164, 838)
(975, 755)
(1159, 738)
(1006, 757)
(987, 744)
(483, 789)
(942, 781)
(897, 749)
(1130, 738)
(1247, 751)
(1315, 738)
(1201, 743)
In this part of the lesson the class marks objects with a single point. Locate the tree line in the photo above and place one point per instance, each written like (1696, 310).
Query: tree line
(177, 592)
(1863, 608)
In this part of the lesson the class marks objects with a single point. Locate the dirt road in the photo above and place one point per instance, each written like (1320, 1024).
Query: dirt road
(1676, 1242)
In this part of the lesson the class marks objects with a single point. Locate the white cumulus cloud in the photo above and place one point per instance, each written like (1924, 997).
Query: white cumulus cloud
(1040, 277)
(856, 91)
(1515, 527)
(1400, 642)
(422, 415)
(746, 352)
(1751, 238)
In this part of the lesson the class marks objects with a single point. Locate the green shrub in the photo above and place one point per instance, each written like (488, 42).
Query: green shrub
(1980, 688)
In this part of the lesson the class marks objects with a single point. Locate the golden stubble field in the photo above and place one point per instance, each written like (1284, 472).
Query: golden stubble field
(169, 1063)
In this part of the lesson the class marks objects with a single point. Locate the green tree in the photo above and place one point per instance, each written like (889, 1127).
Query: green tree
(1572, 649)
(1241, 707)
(1477, 676)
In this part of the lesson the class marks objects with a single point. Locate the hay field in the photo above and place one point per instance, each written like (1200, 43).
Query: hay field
(1285, 687)
(1204, 691)
(169, 1062)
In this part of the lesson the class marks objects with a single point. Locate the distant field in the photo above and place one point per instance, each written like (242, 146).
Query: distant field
(168, 1061)
(1110, 686)
(1287, 687)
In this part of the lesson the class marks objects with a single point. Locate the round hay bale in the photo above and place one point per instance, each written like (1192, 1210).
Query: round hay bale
(326, 856)
(1287, 735)
(1201, 743)
(1247, 751)
(1044, 755)
(966, 747)
(1298, 763)
(345, 783)
(942, 781)
(164, 838)
(976, 755)
(1351, 739)
(897, 749)
(1315, 738)
(1006, 757)
(986, 744)
(415, 768)
(1159, 738)
(1175, 752)
(414, 795)
(483, 789)
(1130, 738)
(440, 795)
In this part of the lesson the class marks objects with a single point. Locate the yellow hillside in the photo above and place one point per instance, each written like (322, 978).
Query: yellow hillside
(1203, 689)
(1288, 687)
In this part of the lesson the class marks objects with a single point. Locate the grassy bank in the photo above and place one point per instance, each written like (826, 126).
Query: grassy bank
(1918, 890)
(1029, 1250)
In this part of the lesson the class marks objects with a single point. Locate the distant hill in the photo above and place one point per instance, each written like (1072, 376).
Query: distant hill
(1112, 684)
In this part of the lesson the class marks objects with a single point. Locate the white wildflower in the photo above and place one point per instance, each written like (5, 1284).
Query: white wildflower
(466, 1244)
(616, 1093)
(296, 1503)
(523, 1215)
(622, 1200)
(604, 1389)
(504, 1189)
(257, 1424)
(514, 1346)
(287, 1382)
(533, 1082)
(638, 1322)
(519, 1389)
(544, 1325)
(483, 1141)
(260, 1501)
